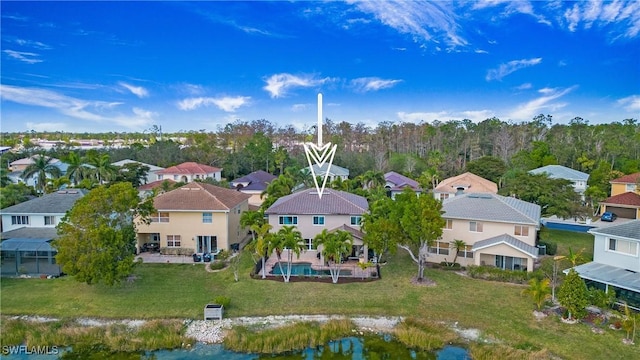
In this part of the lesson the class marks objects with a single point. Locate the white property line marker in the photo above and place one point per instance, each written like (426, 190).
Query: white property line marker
(320, 153)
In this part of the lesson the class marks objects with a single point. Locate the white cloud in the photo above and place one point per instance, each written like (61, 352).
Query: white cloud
(365, 84)
(630, 103)
(298, 107)
(510, 67)
(139, 91)
(279, 84)
(473, 115)
(33, 44)
(425, 21)
(622, 18)
(524, 86)
(48, 126)
(226, 103)
(87, 110)
(27, 57)
(545, 103)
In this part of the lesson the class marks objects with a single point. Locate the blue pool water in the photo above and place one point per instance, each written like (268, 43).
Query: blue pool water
(303, 269)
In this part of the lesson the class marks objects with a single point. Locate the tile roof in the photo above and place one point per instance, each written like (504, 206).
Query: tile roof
(152, 168)
(357, 234)
(189, 168)
(154, 184)
(628, 198)
(332, 202)
(400, 181)
(472, 183)
(561, 172)
(257, 180)
(198, 196)
(608, 274)
(627, 179)
(335, 169)
(491, 207)
(507, 240)
(30, 160)
(55, 203)
(629, 230)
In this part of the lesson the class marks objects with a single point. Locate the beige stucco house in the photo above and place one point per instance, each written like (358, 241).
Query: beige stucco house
(311, 214)
(499, 231)
(190, 171)
(195, 218)
(625, 197)
(464, 183)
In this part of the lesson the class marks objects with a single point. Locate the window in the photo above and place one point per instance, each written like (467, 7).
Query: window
(356, 220)
(162, 217)
(308, 244)
(623, 246)
(440, 248)
(631, 187)
(207, 218)
(318, 220)
(159, 177)
(449, 224)
(49, 220)
(475, 226)
(173, 240)
(444, 196)
(511, 263)
(521, 230)
(466, 253)
(19, 220)
(175, 177)
(288, 220)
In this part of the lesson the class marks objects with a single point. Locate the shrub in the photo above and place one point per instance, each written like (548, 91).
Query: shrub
(176, 251)
(552, 248)
(218, 265)
(223, 255)
(222, 300)
(495, 274)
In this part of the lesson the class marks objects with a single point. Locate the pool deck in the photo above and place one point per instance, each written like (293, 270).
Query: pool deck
(311, 256)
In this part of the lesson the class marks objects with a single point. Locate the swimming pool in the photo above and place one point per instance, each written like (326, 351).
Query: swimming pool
(303, 269)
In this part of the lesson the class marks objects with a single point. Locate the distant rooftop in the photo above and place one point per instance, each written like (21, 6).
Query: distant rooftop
(561, 172)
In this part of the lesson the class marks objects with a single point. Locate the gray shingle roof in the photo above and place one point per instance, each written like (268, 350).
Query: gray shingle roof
(491, 207)
(31, 233)
(55, 203)
(508, 240)
(258, 180)
(335, 169)
(332, 202)
(561, 172)
(629, 230)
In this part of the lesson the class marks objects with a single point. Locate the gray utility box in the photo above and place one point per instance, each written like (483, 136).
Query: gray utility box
(213, 312)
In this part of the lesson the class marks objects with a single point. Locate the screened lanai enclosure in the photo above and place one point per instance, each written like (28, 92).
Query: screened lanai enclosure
(28, 256)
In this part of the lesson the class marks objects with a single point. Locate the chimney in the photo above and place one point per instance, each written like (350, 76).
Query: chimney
(459, 190)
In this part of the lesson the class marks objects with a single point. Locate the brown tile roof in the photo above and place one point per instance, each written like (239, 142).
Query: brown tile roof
(199, 196)
(627, 179)
(628, 198)
(154, 184)
(471, 182)
(189, 168)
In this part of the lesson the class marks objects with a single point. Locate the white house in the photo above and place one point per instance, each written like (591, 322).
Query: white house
(578, 178)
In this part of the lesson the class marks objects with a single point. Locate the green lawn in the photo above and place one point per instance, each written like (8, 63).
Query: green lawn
(181, 290)
(568, 239)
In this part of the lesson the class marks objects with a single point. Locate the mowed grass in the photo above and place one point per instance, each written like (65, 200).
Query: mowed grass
(570, 240)
(498, 310)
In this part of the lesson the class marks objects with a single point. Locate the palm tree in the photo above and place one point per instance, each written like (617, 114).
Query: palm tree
(261, 243)
(41, 167)
(457, 246)
(290, 239)
(277, 188)
(250, 218)
(539, 290)
(373, 179)
(77, 169)
(575, 258)
(334, 246)
(4, 177)
(103, 170)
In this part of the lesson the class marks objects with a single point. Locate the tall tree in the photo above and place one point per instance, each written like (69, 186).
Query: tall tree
(488, 167)
(97, 236)
(77, 169)
(573, 295)
(381, 231)
(41, 167)
(420, 223)
(102, 169)
(288, 239)
(334, 246)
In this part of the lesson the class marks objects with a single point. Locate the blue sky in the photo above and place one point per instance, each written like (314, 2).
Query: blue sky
(127, 66)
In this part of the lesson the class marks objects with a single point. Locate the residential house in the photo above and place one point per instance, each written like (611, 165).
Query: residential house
(625, 197)
(577, 178)
(195, 218)
(45, 211)
(28, 229)
(616, 261)
(332, 171)
(190, 171)
(468, 183)
(151, 174)
(148, 188)
(396, 183)
(311, 214)
(497, 230)
(17, 168)
(253, 184)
